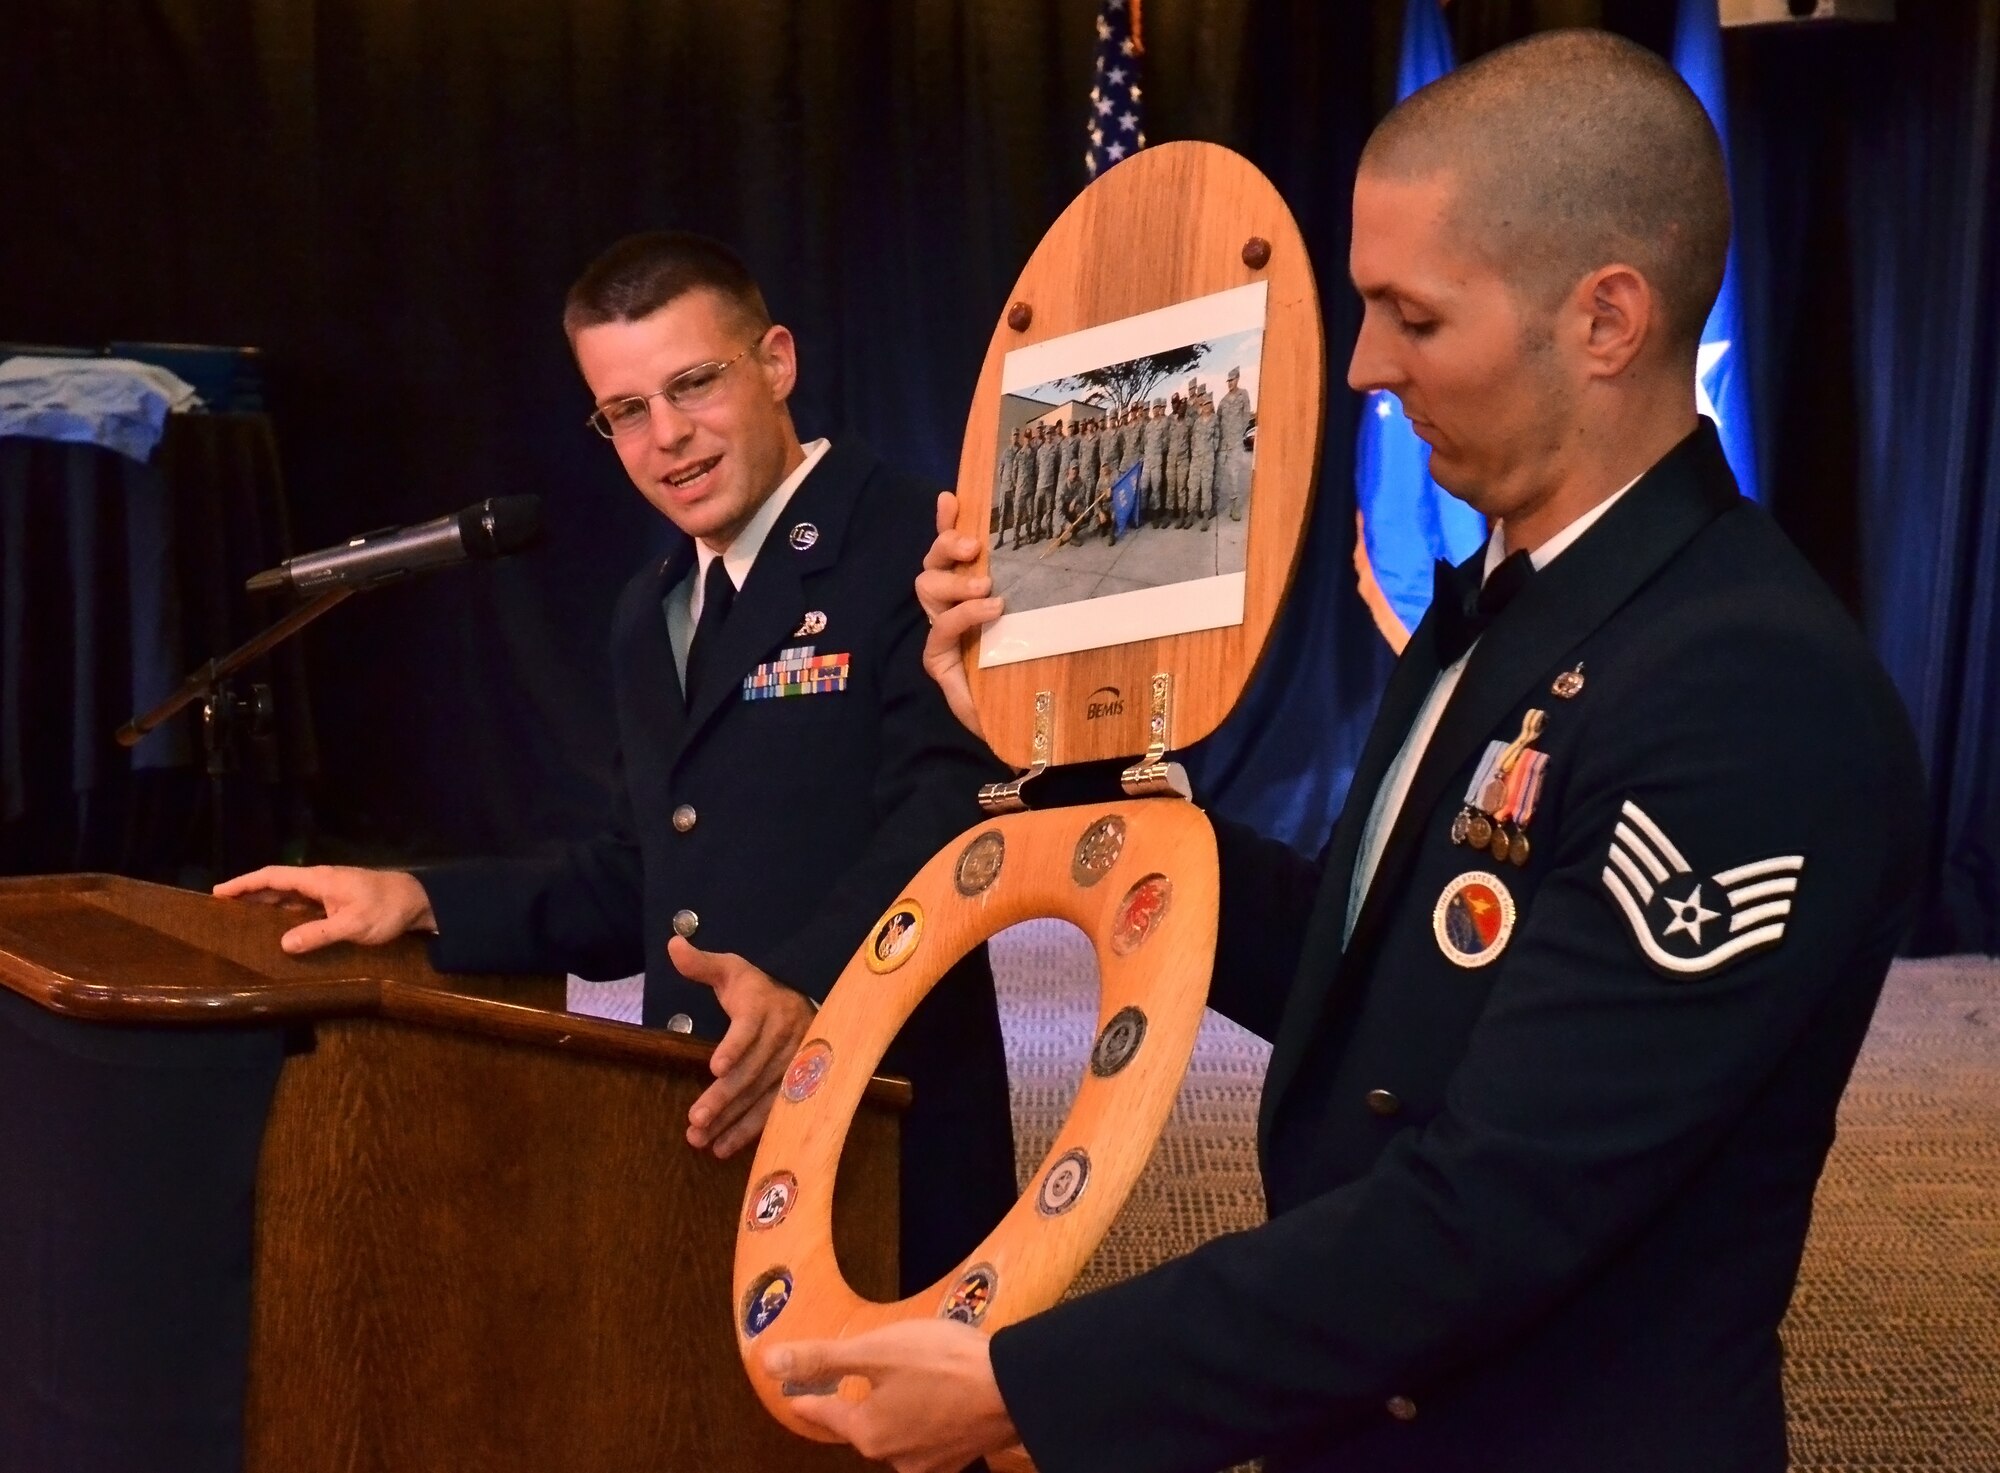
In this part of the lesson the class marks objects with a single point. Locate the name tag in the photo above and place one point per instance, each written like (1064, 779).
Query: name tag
(797, 671)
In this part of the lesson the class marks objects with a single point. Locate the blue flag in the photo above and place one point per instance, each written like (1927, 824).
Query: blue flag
(1408, 521)
(1722, 372)
(1125, 498)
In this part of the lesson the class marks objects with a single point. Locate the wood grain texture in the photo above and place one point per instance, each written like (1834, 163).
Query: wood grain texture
(481, 1239)
(123, 951)
(474, 1254)
(1167, 225)
(1161, 968)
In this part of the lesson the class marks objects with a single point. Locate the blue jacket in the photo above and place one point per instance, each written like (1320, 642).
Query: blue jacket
(1542, 1214)
(782, 827)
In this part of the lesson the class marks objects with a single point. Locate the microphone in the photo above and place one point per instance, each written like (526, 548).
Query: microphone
(494, 528)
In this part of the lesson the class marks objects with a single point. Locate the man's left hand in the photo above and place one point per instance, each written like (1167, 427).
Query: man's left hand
(767, 1020)
(932, 1405)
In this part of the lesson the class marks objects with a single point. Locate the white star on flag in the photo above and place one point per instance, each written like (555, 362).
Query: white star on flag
(1117, 152)
(1708, 357)
(1129, 122)
(1115, 112)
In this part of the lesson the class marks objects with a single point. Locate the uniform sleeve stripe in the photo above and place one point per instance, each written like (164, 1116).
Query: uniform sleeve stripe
(1742, 920)
(1761, 867)
(1639, 882)
(1637, 845)
(1652, 831)
(1763, 889)
(1665, 960)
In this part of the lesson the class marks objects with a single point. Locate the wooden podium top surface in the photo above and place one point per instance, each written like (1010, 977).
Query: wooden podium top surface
(109, 949)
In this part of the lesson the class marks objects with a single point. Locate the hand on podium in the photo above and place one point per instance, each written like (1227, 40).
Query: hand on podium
(955, 599)
(767, 1022)
(365, 906)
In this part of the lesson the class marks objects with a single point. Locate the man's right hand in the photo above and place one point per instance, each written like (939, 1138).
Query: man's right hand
(366, 906)
(955, 599)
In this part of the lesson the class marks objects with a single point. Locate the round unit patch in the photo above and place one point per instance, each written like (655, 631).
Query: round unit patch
(771, 1201)
(765, 1300)
(1097, 850)
(1118, 1042)
(1063, 1183)
(895, 940)
(1140, 913)
(968, 1299)
(979, 863)
(1473, 919)
(807, 1069)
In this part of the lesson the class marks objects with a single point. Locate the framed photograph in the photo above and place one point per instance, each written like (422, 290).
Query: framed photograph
(1122, 484)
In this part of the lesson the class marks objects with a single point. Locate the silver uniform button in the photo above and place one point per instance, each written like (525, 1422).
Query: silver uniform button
(1402, 1409)
(680, 1023)
(685, 818)
(686, 923)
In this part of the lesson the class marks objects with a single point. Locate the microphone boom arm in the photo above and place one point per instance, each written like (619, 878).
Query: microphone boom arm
(204, 682)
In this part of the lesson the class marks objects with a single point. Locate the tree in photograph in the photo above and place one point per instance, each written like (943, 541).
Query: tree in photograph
(1116, 387)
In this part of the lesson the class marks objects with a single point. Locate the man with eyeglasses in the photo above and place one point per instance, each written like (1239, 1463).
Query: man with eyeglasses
(786, 763)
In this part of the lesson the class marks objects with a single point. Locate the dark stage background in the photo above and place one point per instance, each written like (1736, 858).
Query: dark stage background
(390, 200)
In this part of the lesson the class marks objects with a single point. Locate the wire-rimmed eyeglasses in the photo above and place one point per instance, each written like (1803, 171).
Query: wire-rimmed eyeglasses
(686, 390)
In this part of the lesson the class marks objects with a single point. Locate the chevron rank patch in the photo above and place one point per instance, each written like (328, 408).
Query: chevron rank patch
(797, 671)
(1687, 926)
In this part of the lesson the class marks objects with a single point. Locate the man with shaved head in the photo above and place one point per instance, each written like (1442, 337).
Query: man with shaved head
(1561, 1015)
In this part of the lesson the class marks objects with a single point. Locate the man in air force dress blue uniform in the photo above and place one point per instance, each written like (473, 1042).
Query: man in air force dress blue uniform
(786, 765)
(1562, 1014)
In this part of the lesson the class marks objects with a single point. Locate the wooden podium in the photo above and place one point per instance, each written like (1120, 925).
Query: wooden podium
(441, 1223)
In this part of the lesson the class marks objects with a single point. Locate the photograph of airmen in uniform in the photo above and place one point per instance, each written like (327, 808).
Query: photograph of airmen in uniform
(1129, 474)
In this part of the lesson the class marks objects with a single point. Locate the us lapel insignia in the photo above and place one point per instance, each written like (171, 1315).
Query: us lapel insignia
(802, 536)
(813, 623)
(1684, 925)
(1473, 919)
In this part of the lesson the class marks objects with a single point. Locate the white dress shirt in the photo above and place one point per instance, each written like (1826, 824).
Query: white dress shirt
(1402, 772)
(683, 601)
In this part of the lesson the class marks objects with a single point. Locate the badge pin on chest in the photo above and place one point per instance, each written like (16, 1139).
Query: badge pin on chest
(813, 623)
(802, 536)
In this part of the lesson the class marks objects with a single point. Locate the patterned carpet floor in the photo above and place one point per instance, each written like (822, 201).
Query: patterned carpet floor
(1893, 1342)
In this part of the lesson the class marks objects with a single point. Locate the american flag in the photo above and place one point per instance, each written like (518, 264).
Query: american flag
(1117, 126)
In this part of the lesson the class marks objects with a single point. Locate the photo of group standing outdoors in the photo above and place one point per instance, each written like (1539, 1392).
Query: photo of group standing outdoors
(1129, 475)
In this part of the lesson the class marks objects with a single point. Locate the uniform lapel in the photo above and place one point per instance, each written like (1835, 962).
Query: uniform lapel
(772, 599)
(1319, 956)
(1557, 610)
(654, 682)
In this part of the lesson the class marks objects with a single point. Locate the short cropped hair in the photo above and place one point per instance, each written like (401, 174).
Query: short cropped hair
(643, 273)
(1573, 149)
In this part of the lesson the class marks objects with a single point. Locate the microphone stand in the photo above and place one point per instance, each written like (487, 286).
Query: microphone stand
(223, 711)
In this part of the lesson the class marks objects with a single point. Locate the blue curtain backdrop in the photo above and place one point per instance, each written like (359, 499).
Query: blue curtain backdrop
(1868, 173)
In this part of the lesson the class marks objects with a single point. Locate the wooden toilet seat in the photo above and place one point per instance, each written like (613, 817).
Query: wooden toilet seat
(1139, 879)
